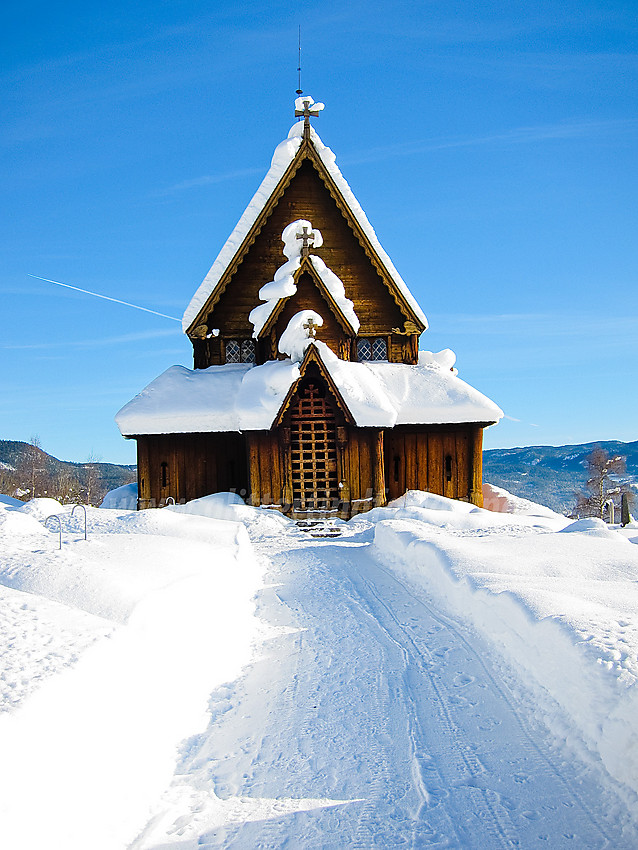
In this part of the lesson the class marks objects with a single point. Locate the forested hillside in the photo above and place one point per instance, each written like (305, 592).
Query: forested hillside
(553, 475)
(27, 471)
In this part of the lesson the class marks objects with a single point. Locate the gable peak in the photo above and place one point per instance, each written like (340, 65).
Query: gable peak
(302, 141)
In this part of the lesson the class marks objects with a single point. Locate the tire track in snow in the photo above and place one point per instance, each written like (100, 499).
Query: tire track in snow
(485, 803)
(383, 702)
(538, 760)
(531, 740)
(418, 664)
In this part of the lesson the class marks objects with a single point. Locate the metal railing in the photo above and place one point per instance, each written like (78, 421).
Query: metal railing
(55, 516)
(58, 518)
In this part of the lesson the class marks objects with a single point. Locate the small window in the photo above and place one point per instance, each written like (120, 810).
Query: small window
(380, 349)
(164, 473)
(448, 467)
(233, 351)
(364, 349)
(248, 351)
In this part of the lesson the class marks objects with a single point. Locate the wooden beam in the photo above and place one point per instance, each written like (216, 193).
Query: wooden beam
(476, 481)
(379, 491)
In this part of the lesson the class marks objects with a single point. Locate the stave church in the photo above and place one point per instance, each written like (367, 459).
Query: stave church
(309, 393)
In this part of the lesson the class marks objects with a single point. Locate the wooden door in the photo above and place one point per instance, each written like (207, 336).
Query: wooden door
(313, 449)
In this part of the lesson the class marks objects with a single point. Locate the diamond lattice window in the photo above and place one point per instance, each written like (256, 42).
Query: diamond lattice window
(248, 351)
(364, 349)
(233, 351)
(380, 349)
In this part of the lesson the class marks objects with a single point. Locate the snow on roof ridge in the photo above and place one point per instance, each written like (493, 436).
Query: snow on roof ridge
(284, 154)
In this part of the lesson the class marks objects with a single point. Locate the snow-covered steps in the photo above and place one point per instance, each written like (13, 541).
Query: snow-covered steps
(319, 527)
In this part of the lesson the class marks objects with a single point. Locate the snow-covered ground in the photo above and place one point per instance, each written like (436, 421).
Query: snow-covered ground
(210, 675)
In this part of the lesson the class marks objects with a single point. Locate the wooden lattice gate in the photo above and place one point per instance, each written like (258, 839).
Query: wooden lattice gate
(313, 444)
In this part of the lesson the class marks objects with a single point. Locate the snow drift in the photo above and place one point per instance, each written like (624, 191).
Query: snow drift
(561, 608)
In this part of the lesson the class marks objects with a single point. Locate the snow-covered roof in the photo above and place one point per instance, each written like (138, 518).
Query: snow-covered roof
(282, 158)
(237, 397)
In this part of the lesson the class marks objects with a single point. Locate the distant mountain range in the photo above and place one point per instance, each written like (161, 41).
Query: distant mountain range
(551, 475)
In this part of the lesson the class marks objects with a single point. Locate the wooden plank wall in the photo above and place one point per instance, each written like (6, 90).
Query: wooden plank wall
(196, 465)
(267, 468)
(359, 459)
(403, 458)
(415, 459)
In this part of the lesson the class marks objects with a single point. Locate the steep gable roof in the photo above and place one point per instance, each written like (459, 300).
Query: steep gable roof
(312, 356)
(287, 158)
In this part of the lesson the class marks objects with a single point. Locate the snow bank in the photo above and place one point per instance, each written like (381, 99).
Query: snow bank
(112, 583)
(501, 501)
(230, 506)
(561, 608)
(462, 518)
(93, 747)
(13, 522)
(122, 498)
(41, 508)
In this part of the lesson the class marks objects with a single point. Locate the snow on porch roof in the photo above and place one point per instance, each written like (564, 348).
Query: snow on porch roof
(238, 397)
(283, 156)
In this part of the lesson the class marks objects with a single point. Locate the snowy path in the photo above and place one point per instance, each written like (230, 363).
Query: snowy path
(374, 720)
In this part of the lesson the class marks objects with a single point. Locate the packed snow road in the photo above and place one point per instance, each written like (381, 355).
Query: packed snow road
(372, 719)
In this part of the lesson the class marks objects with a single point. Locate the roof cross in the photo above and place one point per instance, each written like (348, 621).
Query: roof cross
(308, 238)
(311, 328)
(304, 108)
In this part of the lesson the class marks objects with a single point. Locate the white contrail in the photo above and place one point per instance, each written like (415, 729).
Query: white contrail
(105, 297)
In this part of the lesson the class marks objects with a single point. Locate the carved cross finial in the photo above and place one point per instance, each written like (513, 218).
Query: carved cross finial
(306, 112)
(308, 239)
(311, 328)
(304, 108)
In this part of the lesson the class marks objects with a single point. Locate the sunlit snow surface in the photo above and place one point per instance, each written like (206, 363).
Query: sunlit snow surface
(438, 676)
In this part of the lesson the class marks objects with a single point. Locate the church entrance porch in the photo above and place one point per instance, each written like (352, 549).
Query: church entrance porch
(313, 452)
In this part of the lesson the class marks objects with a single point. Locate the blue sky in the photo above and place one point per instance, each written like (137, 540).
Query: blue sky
(493, 147)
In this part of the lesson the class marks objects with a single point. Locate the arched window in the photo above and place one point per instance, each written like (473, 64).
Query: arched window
(233, 351)
(380, 349)
(364, 349)
(248, 351)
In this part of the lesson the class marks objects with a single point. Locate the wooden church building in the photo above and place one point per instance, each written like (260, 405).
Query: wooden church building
(308, 392)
